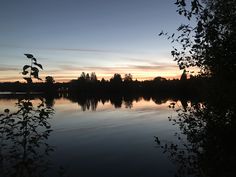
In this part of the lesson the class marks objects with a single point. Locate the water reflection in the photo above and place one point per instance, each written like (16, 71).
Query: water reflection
(120, 131)
(88, 102)
(91, 102)
(26, 138)
(205, 144)
(24, 149)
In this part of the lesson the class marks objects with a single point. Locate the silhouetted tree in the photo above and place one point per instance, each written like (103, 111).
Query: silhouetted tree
(159, 79)
(82, 77)
(49, 80)
(103, 80)
(87, 77)
(116, 83)
(116, 78)
(184, 75)
(211, 43)
(23, 146)
(204, 146)
(128, 78)
(93, 77)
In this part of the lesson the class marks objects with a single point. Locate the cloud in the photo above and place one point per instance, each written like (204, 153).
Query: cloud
(147, 61)
(84, 50)
(154, 67)
(138, 70)
(9, 68)
(91, 68)
(10, 79)
(90, 50)
(141, 60)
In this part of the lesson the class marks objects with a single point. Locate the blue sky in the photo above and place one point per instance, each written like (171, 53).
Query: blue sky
(71, 36)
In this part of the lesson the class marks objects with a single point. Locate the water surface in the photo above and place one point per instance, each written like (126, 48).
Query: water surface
(111, 137)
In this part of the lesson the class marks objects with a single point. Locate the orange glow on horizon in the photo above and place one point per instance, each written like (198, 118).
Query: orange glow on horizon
(68, 75)
(106, 77)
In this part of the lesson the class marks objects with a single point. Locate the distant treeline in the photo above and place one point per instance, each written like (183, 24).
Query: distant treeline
(89, 84)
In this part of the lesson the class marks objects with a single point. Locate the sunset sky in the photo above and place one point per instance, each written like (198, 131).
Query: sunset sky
(73, 36)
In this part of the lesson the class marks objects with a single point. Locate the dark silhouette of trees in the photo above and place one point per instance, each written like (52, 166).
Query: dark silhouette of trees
(128, 78)
(116, 85)
(211, 43)
(87, 77)
(184, 75)
(205, 146)
(82, 77)
(49, 80)
(117, 79)
(159, 79)
(50, 87)
(93, 77)
(23, 133)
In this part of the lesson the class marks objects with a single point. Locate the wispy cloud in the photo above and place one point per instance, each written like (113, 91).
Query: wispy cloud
(140, 60)
(11, 79)
(112, 68)
(9, 68)
(153, 67)
(90, 50)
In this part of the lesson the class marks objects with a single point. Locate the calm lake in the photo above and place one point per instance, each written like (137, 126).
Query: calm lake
(96, 137)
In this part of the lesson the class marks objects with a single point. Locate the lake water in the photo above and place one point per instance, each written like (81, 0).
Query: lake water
(105, 138)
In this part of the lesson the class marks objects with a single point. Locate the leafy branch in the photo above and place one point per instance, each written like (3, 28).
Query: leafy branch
(32, 70)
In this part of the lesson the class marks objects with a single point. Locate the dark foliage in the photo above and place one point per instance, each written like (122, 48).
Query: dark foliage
(32, 70)
(206, 146)
(116, 85)
(210, 43)
(24, 132)
(23, 148)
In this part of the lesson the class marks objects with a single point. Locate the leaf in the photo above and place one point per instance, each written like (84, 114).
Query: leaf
(199, 27)
(35, 74)
(161, 33)
(157, 140)
(183, 3)
(39, 65)
(26, 67)
(197, 40)
(29, 55)
(25, 72)
(34, 59)
(34, 69)
(28, 80)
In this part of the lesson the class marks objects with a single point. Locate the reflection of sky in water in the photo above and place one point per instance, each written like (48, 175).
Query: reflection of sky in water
(109, 141)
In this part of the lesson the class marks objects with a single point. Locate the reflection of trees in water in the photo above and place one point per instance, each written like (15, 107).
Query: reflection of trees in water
(159, 100)
(90, 102)
(209, 147)
(128, 104)
(24, 133)
(116, 101)
(49, 101)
